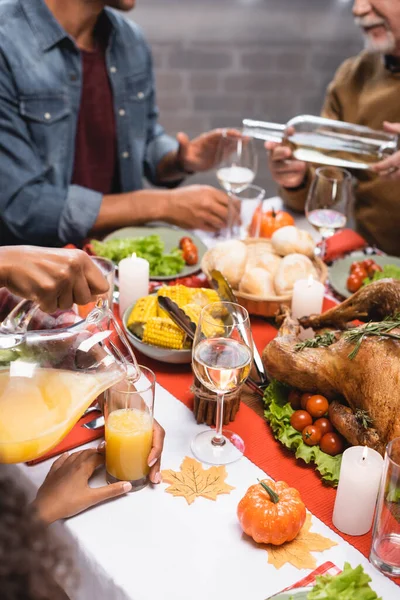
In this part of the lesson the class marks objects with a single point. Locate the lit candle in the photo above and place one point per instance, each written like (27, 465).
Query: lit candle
(308, 297)
(360, 475)
(133, 278)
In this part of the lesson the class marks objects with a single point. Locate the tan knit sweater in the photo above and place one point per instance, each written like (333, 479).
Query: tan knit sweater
(363, 91)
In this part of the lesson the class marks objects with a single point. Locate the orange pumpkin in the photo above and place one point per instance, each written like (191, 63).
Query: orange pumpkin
(271, 512)
(265, 223)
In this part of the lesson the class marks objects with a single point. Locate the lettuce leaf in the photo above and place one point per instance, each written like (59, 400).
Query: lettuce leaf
(388, 271)
(150, 247)
(351, 584)
(278, 412)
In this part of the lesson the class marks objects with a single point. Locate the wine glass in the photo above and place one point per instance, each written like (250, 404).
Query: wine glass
(236, 165)
(328, 202)
(222, 358)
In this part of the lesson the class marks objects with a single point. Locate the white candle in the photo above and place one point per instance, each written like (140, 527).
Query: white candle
(360, 475)
(308, 297)
(133, 278)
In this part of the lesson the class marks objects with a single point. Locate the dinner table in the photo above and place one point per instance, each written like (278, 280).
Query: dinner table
(153, 545)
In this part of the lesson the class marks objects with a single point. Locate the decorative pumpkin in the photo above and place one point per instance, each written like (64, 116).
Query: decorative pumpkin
(265, 223)
(271, 512)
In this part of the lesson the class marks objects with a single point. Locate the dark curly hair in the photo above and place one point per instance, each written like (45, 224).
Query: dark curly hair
(30, 557)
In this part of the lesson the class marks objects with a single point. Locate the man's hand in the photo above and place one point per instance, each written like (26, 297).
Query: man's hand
(201, 207)
(53, 278)
(66, 492)
(389, 168)
(285, 170)
(201, 154)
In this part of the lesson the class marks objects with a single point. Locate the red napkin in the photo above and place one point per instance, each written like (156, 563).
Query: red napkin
(310, 579)
(342, 243)
(76, 437)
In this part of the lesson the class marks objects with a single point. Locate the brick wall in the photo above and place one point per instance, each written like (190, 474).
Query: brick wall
(218, 61)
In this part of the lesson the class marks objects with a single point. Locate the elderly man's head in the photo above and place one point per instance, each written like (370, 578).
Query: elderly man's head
(380, 22)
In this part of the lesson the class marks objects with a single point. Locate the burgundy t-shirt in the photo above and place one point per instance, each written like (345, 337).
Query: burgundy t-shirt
(95, 164)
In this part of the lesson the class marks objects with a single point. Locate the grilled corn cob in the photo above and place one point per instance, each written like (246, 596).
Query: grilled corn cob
(178, 293)
(193, 312)
(160, 331)
(144, 309)
(204, 296)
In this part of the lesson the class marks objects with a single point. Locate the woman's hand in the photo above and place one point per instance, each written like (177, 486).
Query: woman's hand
(389, 168)
(51, 277)
(286, 171)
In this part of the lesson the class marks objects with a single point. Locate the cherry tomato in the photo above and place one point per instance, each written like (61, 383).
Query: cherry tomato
(355, 266)
(324, 425)
(311, 435)
(360, 272)
(304, 398)
(374, 269)
(294, 399)
(354, 283)
(300, 419)
(367, 263)
(331, 443)
(317, 406)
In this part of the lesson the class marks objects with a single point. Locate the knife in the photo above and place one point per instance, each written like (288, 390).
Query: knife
(181, 319)
(226, 293)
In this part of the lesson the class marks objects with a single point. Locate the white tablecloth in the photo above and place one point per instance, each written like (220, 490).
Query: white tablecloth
(150, 545)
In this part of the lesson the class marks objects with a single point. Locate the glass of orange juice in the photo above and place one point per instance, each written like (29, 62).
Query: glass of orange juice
(128, 412)
(107, 267)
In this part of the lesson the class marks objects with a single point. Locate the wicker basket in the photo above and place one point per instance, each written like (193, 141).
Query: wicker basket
(268, 306)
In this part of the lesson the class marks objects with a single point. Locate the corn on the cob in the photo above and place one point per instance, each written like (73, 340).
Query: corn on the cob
(204, 296)
(162, 332)
(178, 293)
(193, 312)
(144, 309)
(212, 326)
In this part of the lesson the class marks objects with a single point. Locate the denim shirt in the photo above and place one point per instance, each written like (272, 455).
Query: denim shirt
(40, 89)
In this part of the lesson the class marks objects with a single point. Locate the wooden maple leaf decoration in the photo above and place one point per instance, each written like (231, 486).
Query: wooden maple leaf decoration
(193, 481)
(298, 552)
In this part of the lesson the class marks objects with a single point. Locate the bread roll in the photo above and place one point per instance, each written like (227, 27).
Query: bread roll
(264, 260)
(289, 240)
(230, 259)
(292, 268)
(258, 282)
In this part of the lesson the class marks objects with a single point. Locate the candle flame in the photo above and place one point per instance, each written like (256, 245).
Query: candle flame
(133, 254)
(365, 452)
(310, 280)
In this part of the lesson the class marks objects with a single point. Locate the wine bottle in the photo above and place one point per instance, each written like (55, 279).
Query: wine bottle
(326, 141)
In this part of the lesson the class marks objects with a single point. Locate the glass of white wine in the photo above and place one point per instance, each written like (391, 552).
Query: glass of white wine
(328, 202)
(221, 360)
(236, 167)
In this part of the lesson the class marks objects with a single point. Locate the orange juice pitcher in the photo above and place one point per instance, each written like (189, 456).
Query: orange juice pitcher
(48, 378)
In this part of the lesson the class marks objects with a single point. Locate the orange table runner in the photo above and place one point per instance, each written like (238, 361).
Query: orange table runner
(261, 447)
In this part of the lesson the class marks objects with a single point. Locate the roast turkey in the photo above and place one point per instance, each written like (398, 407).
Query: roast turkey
(365, 390)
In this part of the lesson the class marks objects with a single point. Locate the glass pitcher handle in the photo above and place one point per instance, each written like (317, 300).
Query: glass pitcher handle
(102, 310)
(17, 321)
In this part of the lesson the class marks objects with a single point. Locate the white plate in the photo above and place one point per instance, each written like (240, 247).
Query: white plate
(170, 236)
(167, 355)
(296, 594)
(340, 270)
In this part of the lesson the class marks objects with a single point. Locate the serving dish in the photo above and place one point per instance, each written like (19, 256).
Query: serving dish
(296, 594)
(167, 355)
(269, 305)
(171, 237)
(340, 270)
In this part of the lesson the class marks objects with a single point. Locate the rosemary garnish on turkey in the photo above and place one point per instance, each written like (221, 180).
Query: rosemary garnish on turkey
(382, 329)
(355, 335)
(319, 341)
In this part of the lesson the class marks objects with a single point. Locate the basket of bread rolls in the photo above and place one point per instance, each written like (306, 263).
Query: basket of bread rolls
(262, 272)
